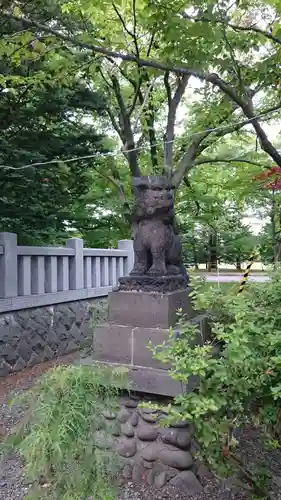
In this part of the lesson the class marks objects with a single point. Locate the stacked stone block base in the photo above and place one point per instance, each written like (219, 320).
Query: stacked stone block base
(137, 319)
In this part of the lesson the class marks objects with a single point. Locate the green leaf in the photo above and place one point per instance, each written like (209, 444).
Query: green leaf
(17, 11)
(121, 370)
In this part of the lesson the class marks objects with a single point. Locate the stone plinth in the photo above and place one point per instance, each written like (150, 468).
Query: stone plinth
(128, 346)
(146, 283)
(148, 309)
(136, 320)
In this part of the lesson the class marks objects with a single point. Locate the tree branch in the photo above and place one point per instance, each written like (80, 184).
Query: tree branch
(233, 58)
(222, 131)
(187, 160)
(267, 34)
(122, 21)
(151, 133)
(218, 129)
(196, 147)
(188, 185)
(111, 179)
(109, 112)
(229, 160)
(235, 27)
(107, 52)
(135, 84)
(149, 63)
(245, 105)
(135, 29)
(123, 73)
(213, 78)
(234, 127)
(168, 87)
(105, 79)
(265, 143)
(115, 124)
(127, 130)
(150, 45)
(144, 101)
(149, 115)
(132, 34)
(137, 96)
(170, 129)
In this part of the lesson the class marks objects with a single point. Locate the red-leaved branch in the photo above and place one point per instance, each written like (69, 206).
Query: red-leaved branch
(275, 174)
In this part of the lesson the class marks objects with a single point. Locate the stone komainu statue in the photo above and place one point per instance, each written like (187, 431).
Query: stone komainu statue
(158, 250)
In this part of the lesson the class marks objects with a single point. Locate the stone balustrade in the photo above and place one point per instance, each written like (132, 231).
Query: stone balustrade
(33, 276)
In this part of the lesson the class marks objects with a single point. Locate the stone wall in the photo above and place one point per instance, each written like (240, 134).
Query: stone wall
(31, 336)
(152, 453)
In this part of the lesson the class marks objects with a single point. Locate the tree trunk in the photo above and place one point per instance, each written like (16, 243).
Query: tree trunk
(195, 260)
(213, 253)
(238, 263)
(275, 222)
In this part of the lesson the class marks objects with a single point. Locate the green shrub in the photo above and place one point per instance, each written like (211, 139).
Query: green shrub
(238, 370)
(58, 439)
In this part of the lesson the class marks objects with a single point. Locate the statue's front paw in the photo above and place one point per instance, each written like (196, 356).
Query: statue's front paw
(138, 271)
(157, 271)
(173, 270)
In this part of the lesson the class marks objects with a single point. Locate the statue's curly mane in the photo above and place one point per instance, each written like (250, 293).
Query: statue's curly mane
(153, 203)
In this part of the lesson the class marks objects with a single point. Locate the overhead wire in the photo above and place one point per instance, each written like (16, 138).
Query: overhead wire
(139, 148)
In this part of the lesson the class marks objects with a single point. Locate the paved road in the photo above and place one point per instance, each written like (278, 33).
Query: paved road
(222, 278)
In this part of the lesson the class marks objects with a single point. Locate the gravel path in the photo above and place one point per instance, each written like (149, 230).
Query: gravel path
(12, 486)
(211, 492)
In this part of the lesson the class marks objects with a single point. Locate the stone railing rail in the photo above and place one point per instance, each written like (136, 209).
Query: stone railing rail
(33, 276)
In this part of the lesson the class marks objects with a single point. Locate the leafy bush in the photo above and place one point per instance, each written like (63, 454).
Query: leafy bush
(238, 370)
(60, 437)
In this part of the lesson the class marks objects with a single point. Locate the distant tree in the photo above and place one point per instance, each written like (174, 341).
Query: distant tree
(211, 207)
(237, 245)
(266, 243)
(40, 117)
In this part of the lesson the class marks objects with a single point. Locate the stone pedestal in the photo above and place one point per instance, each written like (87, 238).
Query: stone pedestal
(148, 309)
(147, 283)
(135, 320)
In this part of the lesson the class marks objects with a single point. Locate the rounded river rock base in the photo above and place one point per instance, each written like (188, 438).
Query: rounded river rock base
(152, 453)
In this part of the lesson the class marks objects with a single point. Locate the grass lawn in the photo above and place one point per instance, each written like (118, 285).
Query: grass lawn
(228, 286)
(222, 286)
(230, 272)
